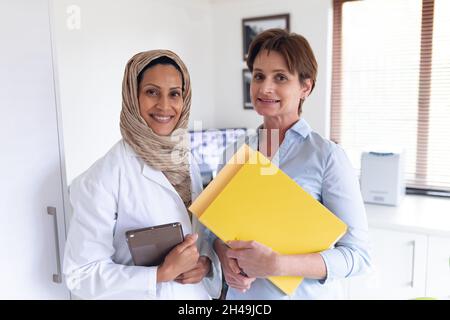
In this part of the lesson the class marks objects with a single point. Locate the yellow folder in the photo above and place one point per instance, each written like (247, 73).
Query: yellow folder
(252, 199)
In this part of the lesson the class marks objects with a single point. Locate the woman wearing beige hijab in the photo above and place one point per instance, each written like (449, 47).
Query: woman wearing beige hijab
(146, 179)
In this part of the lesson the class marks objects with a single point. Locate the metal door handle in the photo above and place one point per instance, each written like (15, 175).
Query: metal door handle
(57, 278)
(413, 262)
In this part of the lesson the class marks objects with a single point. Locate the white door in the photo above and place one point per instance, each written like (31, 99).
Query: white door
(399, 260)
(438, 274)
(30, 166)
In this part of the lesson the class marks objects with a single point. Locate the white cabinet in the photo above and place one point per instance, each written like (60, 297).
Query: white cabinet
(399, 260)
(31, 240)
(438, 275)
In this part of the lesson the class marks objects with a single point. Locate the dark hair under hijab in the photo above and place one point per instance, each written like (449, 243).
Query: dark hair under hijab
(161, 60)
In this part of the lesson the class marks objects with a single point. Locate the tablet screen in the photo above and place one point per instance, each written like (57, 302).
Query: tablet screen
(149, 246)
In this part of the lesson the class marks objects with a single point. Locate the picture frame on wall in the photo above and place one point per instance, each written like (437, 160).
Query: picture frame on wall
(251, 27)
(246, 80)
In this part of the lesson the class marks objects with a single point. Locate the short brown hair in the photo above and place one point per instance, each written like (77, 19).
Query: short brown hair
(293, 47)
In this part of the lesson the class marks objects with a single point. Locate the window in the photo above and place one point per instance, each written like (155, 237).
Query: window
(391, 84)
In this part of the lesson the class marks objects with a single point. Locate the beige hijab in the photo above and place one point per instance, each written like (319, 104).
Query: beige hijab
(170, 154)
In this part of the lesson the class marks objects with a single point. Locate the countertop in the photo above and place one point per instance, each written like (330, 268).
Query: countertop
(416, 213)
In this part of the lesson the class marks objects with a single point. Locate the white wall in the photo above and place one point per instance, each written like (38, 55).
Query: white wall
(91, 62)
(310, 18)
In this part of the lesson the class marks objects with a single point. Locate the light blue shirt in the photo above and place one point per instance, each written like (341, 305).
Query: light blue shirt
(322, 168)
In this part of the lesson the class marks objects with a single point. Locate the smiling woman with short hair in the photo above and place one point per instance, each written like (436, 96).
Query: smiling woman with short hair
(284, 73)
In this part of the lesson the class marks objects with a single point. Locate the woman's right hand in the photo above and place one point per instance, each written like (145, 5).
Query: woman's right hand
(231, 270)
(180, 259)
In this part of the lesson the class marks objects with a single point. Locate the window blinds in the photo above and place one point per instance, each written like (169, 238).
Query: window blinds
(391, 84)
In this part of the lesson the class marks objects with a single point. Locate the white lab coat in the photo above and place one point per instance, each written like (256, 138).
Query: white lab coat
(117, 193)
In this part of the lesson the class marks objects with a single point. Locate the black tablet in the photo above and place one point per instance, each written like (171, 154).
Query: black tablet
(149, 246)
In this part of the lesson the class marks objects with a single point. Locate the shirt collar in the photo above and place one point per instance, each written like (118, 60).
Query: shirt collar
(301, 127)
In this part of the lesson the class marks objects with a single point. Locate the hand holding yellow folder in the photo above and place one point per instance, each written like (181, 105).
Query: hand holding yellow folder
(251, 199)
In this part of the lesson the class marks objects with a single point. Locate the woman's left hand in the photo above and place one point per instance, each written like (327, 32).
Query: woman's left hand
(196, 274)
(254, 258)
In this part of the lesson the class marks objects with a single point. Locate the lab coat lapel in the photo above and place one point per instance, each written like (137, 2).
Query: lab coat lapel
(158, 177)
(151, 173)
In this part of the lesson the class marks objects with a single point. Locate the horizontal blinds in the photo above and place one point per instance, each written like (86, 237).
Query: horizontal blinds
(391, 84)
(438, 170)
